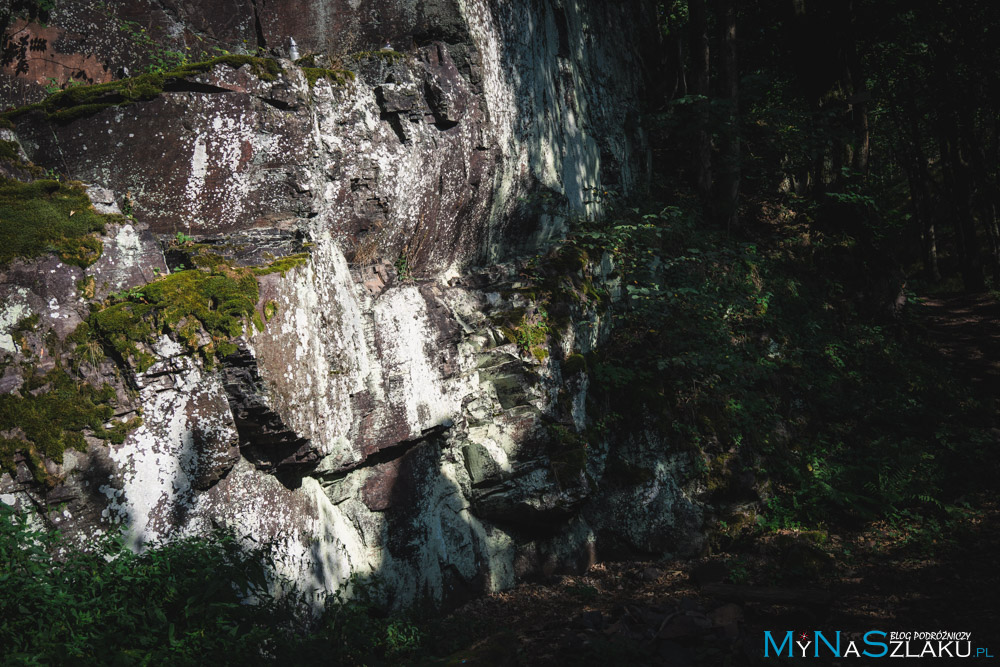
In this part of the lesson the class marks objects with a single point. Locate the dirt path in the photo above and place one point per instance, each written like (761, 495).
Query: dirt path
(967, 331)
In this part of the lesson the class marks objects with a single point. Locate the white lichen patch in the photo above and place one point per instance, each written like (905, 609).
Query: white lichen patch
(414, 380)
(14, 309)
(159, 461)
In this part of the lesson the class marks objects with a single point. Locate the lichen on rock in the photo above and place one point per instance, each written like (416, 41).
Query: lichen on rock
(427, 425)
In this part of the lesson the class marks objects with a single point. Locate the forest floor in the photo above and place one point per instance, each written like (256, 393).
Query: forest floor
(967, 330)
(901, 576)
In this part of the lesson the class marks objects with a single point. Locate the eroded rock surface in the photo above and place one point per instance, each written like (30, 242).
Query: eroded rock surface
(380, 422)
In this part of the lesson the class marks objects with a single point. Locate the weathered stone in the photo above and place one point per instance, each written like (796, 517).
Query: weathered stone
(381, 423)
(131, 257)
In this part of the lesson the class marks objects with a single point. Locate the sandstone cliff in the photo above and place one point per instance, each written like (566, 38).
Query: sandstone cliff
(312, 314)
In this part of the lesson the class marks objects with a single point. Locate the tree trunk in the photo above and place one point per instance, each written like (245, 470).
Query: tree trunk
(983, 194)
(729, 178)
(957, 182)
(859, 96)
(919, 181)
(700, 86)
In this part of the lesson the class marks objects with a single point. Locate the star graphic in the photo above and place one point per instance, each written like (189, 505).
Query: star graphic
(804, 636)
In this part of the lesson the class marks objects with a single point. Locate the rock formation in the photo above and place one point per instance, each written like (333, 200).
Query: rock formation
(396, 404)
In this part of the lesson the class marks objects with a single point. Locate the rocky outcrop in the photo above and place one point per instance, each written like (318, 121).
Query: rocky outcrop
(382, 422)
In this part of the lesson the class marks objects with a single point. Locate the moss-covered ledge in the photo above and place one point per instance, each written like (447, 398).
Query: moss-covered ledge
(203, 308)
(80, 101)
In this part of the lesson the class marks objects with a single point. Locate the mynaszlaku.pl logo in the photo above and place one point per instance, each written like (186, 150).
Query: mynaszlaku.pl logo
(872, 644)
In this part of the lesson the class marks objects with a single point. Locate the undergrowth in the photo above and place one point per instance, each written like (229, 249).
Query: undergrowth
(761, 357)
(191, 601)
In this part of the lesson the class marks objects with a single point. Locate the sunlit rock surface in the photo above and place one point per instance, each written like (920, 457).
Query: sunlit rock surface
(381, 425)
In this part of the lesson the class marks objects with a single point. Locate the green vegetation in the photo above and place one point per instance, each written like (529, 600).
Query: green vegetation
(386, 55)
(756, 361)
(48, 216)
(530, 332)
(403, 271)
(283, 265)
(185, 602)
(203, 309)
(80, 101)
(53, 412)
(270, 310)
(337, 77)
(8, 151)
(37, 10)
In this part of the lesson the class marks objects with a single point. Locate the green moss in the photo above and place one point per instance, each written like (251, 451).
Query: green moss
(6, 124)
(217, 302)
(203, 259)
(81, 251)
(282, 265)
(48, 216)
(722, 479)
(8, 116)
(87, 287)
(80, 335)
(270, 310)
(120, 327)
(80, 101)
(225, 348)
(531, 333)
(336, 76)
(25, 325)
(53, 412)
(82, 111)
(8, 151)
(20, 330)
(266, 69)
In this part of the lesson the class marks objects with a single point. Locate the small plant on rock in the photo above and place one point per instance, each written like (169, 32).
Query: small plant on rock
(403, 270)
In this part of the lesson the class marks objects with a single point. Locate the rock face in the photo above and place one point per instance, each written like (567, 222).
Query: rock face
(381, 423)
